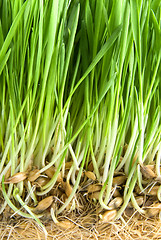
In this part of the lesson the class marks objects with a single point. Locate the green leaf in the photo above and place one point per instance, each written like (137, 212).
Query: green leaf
(4, 60)
(135, 26)
(157, 31)
(155, 5)
(12, 31)
(98, 57)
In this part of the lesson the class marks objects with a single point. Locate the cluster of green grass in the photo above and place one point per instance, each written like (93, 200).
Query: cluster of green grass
(81, 77)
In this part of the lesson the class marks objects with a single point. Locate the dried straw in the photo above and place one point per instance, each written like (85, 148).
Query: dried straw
(85, 226)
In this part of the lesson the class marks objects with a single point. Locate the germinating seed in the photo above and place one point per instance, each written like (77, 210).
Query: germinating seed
(108, 216)
(33, 175)
(43, 205)
(90, 175)
(16, 178)
(147, 172)
(116, 193)
(94, 188)
(50, 171)
(139, 200)
(116, 202)
(41, 181)
(94, 195)
(154, 210)
(120, 180)
(153, 191)
(66, 224)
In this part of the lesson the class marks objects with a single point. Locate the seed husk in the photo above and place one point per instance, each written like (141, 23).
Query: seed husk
(8, 173)
(154, 210)
(147, 172)
(68, 165)
(56, 192)
(116, 193)
(108, 216)
(59, 178)
(129, 211)
(90, 175)
(16, 178)
(90, 167)
(66, 224)
(94, 188)
(43, 205)
(77, 172)
(50, 171)
(68, 188)
(33, 175)
(120, 180)
(153, 191)
(41, 181)
(94, 195)
(116, 202)
(139, 200)
(138, 190)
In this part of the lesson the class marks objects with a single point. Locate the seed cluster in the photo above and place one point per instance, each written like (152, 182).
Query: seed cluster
(89, 192)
